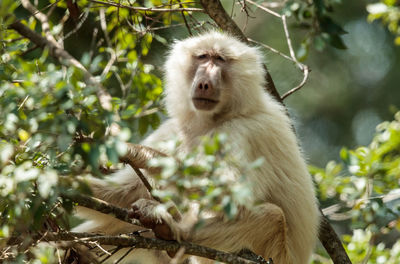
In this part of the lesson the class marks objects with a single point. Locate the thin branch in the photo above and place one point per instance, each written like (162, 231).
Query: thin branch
(149, 9)
(184, 19)
(306, 72)
(264, 8)
(289, 41)
(271, 49)
(138, 156)
(101, 206)
(78, 26)
(110, 63)
(305, 69)
(42, 18)
(103, 25)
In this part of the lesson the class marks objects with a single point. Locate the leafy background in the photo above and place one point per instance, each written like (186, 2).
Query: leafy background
(339, 115)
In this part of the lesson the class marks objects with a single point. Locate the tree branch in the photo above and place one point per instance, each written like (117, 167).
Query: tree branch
(138, 157)
(101, 206)
(332, 243)
(137, 241)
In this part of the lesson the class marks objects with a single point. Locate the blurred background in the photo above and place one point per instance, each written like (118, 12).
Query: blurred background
(348, 92)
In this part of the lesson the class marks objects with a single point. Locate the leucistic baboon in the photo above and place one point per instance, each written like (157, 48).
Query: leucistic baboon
(215, 84)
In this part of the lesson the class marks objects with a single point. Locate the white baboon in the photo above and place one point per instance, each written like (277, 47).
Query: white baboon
(215, 84)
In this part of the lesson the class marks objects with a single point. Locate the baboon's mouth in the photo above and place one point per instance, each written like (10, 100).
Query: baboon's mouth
(204, 103)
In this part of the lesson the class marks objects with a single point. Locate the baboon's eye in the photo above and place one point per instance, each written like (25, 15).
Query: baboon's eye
(220, 58)
(202, 56)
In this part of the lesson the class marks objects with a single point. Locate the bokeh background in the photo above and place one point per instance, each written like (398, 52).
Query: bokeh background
(349, 91)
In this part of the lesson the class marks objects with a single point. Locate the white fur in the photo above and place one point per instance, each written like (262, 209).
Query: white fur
(285, 224)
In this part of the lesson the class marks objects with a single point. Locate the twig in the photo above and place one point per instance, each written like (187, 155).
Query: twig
(305, 69)
(138, 156)
(96, 244)
(264, 8)
(103, 26)
(23, 102)
(42, 18)
(306, 72)
(149, 9)
(101, 206)
(184, 19)
(110, 63)
(271, 49)
(78, 26)
(289, 41)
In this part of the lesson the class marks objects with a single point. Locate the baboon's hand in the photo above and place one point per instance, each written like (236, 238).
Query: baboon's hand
(152, 215)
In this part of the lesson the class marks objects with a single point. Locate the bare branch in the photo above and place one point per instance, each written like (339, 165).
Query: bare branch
(138, 157)
(266, 9)
(149, 9)
(271, 49)
(332, 243)
(42, 18)
(101, 206)
(306, 72)
(289, 42)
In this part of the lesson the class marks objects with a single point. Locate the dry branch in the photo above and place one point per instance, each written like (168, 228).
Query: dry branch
(138, 157)
(332, 243)
(101, 206)
(137, 241)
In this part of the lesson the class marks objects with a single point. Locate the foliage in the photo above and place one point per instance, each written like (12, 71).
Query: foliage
(316, 18)
(205, 176)
(54, 129)
(388, 11)
(365, 185)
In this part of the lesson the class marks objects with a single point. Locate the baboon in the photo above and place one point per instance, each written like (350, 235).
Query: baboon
(215, 84)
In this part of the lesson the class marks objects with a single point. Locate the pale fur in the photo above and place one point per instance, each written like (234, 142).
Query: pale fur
(284, 225)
